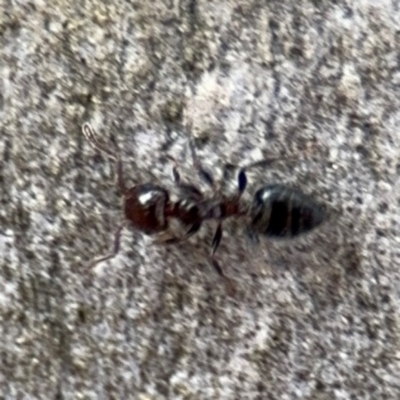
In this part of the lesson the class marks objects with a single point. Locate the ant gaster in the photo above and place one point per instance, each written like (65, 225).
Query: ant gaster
(276, 211)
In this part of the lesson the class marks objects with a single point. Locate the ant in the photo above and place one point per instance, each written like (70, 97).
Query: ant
(276, 211)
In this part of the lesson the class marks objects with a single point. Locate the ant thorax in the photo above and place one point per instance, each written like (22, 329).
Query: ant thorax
(280, 211)
(187, 204)
(211, 209)
(187, 209)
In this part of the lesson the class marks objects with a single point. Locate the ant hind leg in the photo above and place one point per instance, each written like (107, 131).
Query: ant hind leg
(252, 237)
(230, 286)
(175, 240)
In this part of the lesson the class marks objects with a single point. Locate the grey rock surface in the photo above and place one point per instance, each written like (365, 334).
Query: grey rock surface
(314, 81)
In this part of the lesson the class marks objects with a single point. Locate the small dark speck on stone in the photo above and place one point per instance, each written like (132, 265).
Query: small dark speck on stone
(383, 207)
(348, 12)
(385, 299)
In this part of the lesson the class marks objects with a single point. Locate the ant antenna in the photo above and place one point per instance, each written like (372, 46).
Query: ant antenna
(90, 135)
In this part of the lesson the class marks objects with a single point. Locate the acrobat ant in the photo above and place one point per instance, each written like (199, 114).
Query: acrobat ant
(277, 211)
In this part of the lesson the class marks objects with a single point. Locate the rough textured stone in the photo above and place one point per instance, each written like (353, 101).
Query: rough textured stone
(315, 318)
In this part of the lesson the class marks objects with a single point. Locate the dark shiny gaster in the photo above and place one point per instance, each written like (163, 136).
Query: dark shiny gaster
(282, 212)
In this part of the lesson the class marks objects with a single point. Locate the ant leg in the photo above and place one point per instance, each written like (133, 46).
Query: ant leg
(267, 162)
(114, 251)
(263, 162)
(120, 178)
(215, 244)
(242, 177)
(216, 239)
(189, 190)
(175, 173)
(205, 175)
(252, 236)
(90, 136)
(174, 240)
(192, 230)
(242, 182)
(252, 241)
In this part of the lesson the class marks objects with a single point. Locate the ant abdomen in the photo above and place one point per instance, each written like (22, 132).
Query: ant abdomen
(282, 212)
(188, 211)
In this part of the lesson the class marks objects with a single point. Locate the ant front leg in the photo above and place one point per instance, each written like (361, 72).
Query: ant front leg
(114, 251)
(252, 237)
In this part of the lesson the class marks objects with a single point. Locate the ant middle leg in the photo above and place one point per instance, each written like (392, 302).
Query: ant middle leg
(241, 179)
(187, 189)
(242, 176)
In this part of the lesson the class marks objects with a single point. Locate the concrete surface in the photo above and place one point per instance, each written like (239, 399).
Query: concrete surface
(315, 318)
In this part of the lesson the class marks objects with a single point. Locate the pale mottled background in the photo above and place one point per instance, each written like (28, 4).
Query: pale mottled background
(316, 318)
